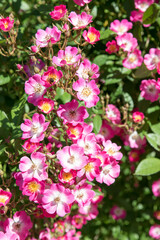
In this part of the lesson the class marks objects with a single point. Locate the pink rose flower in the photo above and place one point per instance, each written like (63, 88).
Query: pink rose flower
(34, 167)
(87, 91)
(154, 231)
(133, 60)
(150, 90)
(69, 157)
(82, 2)
(51, 77)
(87, 70)
(68, 56)
(121, 27)
(80, 20)
(34, 129)
(57, 199)
(92, 36)
(112, 47)
(35, 88)
(127, 42)
(152, 59)
(43, 37)
(6, 24)
(59, 12)
(117, 213)
(71, 113)
(113, 113)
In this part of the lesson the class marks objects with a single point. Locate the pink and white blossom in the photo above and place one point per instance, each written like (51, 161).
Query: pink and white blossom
(91, 169)
(71, 113)
(35, 88)
(133, 60)
(127, 42)
(34, 129)
(152, 59)
(80, 20)
(43, 37)
(113, 113)
(34, 167)
(68, 56)
(72, 157)
(87, 91)
(19, 224)
(87, 70)
(89, 144)
(83, 194)
(154, 231)
(57, 199)
(121, 27)
(109, 172)
(150, 90)
(142, 5)
(32, 187)
(112, 150)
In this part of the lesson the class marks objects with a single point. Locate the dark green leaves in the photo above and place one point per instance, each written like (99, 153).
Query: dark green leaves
(148, 166)
(151, 14)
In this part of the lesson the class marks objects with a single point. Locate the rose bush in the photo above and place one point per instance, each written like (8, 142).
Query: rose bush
(79, 147)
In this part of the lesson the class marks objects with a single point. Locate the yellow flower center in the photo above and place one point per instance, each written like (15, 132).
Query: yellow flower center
(33, 187)
(111, 151)
(92, 37)
(86, 92)
(6, 25)
(88, 167)
(67, 176)
(46, 107)
(3, 199)
(73, 131)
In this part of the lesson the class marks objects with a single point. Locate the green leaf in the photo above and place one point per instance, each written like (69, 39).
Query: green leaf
(97, 123)
(154, 140)
(151, 14)
(142, 72)
(66, 97)
(105, 34)
(128, 99)
(4, 125)
(4, 79)
(100, 60)
(155, 128)
(148, 166)
(18, 111)
(59, 93)
(112, 81)
(94, 12)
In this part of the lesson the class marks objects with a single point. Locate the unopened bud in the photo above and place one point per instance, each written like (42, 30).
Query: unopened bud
(34, 49)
